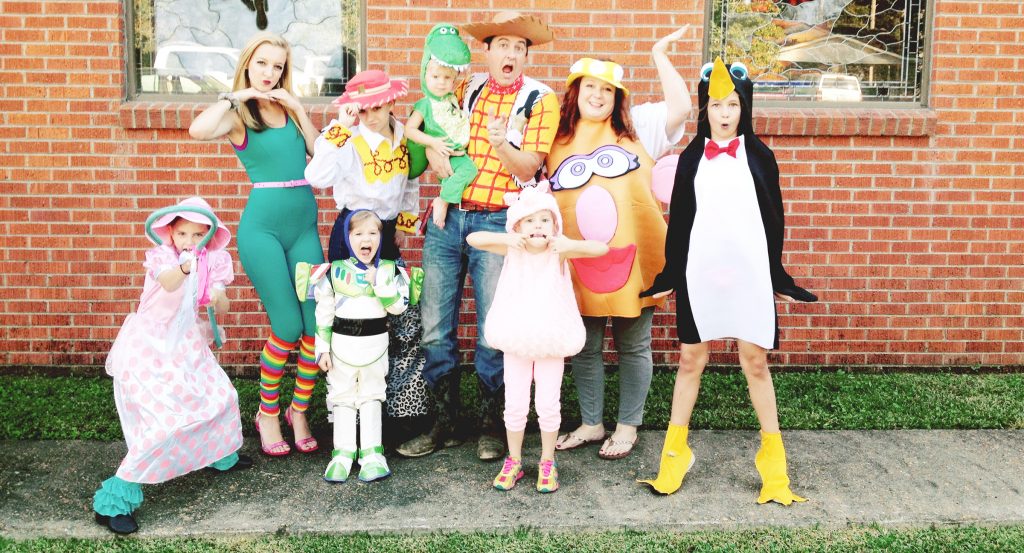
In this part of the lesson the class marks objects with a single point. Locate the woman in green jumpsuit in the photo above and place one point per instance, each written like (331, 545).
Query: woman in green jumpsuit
(272, 136)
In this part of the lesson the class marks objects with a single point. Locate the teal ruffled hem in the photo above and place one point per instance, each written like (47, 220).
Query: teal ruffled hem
(117, 497)
(226, 462)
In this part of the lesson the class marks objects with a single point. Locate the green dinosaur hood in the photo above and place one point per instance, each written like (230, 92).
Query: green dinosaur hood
(445, 46)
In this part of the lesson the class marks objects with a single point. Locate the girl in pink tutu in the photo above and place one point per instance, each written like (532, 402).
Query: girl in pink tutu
(534, 320)
(178, 410)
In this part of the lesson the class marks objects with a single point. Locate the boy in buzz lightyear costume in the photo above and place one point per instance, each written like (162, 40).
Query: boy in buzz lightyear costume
(353, 298)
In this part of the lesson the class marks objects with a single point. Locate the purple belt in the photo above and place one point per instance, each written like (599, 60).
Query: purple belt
(281, 184)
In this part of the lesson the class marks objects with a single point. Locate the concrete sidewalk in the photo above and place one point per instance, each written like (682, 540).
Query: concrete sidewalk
(894, 478)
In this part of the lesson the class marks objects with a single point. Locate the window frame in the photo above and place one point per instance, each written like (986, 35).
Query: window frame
(131, 73)
(926, 54)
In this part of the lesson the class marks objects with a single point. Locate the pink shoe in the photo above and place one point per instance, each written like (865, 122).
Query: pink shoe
(269, 449)
(305, 445)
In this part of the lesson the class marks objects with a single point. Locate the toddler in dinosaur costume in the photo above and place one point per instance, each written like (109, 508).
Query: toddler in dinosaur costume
(445, 126)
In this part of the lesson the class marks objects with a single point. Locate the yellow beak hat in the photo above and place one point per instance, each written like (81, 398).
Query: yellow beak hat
(720, 84)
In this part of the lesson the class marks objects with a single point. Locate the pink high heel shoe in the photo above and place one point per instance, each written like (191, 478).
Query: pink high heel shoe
(269, 449)
(305, 445)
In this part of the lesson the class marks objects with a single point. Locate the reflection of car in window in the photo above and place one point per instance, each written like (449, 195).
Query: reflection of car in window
(190, 68)
(835, 87)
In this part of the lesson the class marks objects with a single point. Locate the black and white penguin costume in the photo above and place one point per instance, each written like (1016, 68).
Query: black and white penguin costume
(723, 252)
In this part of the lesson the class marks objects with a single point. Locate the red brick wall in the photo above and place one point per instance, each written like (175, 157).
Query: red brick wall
(907, 223)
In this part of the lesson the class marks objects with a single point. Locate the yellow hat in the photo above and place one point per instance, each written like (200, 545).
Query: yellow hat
(720, 84)
(607, 71)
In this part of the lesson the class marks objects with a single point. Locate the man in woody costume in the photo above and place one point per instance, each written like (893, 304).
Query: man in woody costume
(513, 120)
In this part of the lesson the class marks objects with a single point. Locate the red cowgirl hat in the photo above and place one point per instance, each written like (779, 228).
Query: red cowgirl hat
(194, 209)
(372, 88)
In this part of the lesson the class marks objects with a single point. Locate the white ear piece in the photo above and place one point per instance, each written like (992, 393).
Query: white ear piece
(738, 70)
(705, 71)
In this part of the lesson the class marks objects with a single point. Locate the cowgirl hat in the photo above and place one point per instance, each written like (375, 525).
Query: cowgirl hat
(511, 23)
(193, 209)
(607, 71)
(372, 88)
(528, 201)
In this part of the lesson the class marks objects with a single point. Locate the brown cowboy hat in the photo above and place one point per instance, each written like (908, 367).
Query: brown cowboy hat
(511, 23)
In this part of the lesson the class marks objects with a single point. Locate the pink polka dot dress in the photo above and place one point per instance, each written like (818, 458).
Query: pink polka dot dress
(178, 410)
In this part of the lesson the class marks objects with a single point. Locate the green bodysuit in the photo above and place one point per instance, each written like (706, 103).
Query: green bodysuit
(278, 226)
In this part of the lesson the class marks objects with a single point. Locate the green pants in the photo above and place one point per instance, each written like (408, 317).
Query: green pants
(464, 171)
(277, 230)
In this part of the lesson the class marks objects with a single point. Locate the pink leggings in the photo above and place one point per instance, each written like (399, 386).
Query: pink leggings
(519, 374)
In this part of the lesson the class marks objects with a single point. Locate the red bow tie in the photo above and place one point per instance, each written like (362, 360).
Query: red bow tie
(712, 149)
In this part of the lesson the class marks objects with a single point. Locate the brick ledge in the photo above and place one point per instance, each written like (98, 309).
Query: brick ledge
(860, 121)
(179, 115)
(769, 121)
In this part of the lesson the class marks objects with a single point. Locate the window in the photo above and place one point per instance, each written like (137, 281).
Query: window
(824, 51)
(182, 47)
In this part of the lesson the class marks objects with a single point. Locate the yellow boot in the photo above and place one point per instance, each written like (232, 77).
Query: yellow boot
(676, 460)
(771, 463)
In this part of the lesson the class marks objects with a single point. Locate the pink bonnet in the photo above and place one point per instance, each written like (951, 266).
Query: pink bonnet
(530, 200)
(161, 228)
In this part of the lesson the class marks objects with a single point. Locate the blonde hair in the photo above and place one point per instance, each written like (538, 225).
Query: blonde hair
(362, 216)
(249, 111)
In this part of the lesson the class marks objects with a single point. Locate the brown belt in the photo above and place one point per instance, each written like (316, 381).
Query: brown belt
(473, 206)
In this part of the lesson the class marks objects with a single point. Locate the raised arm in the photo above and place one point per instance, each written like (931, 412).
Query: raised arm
(677, 95)
(496, 242)
(569, 248)
(218, 120)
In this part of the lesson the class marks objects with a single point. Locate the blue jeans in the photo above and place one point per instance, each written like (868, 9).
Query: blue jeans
(446, 260)
(633, 342)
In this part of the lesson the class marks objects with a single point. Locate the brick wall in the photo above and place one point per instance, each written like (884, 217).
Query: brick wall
(907, 223)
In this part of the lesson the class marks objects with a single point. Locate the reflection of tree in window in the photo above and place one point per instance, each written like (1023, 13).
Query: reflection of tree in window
(789, 45)
(340, 68)
(260, 7)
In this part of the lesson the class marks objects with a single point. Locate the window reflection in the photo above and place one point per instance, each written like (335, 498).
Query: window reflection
(824, 50)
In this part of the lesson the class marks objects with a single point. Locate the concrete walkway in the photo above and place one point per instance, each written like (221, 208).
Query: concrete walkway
(894, 478)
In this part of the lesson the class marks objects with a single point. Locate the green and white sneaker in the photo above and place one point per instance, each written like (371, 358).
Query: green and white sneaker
(340, 467)
(372, 464)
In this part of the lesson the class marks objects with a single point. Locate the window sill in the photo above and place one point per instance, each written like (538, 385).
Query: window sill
(769, 121)
(844, 121)
(150, 114)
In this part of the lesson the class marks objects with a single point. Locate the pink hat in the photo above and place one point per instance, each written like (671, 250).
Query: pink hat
(528, 201)
(189, 209)
(372, 88)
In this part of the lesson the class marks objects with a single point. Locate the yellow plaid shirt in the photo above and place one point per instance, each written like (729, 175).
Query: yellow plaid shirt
(494, 180)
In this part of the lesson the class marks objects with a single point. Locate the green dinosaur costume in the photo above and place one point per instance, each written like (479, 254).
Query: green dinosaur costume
(442, 116)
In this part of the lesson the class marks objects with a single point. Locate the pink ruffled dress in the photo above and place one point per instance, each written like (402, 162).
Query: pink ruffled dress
(178, 410)
(534, 313)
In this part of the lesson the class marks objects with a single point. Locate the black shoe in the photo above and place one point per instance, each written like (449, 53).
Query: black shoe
(119, 524)
(244, 462)
(797, 293)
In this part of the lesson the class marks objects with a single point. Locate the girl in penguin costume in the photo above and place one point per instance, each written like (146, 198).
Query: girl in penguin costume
(723, 254)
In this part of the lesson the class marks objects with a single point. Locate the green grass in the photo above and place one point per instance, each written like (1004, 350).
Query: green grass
(1006, 538)
(75, 407)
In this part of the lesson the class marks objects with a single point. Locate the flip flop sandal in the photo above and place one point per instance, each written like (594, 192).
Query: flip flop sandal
(609, 443)
(571, 440)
